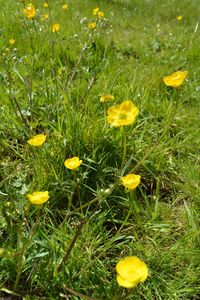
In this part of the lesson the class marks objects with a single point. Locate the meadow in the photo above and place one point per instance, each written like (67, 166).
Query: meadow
(87, 98)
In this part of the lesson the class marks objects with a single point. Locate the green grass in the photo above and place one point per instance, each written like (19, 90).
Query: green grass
(51, 84)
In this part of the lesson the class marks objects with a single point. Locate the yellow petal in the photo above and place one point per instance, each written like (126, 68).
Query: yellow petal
(38, 198)
(37, 140)
(131, 181)
(175, 79)
(131, 269)
(125, 283)
(73, 163)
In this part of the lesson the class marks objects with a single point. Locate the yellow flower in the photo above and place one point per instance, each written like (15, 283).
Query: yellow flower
(30, 11)
(131, 271)
(37, 140)
(176, 79)
(45, 5)
(38, 198)
(179, 18)
(100, 14)
(55, 27)
(95, 11)
(65, 6)
(92, 25)
(131, 181)
(123, 114)
(12, 41)
(106, 98)
(2, 251)
(44, 17)
(72, 163)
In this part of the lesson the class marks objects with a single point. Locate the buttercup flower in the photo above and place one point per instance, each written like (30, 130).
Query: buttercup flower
(131, 271)
(12, 41)
(179, 18)
(44, 17)
(95, 11)
(106, 98)
(37, 140)
(176, 79)
(38, 198)
(30, 11)
(122, 114)
(65, 6)
(131, 181)
(92, 25)
(55, 27)
(100, 14)
(2, 251)
(73, 163)
(45, 5)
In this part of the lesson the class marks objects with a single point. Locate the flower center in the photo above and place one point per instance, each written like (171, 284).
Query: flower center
(122, 116)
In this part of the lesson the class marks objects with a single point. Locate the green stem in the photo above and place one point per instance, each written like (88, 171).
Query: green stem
(76, 188)
(71, 246)
(124, 147)
(21, 253)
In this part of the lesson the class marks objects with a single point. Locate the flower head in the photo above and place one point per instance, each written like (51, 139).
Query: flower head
(12, 41)
(122, 114)
(45, 5)
(38, 140)
(179, 18)
(44, 17)
(106, 98)
(73, 163)
(2, 251)
(65, 6)
(95, 11)
(131, 181)
(176, 79)
(38, 198)
(100, 14)
(55, 27)
(92, 25)
(131, 271)
(30, 11)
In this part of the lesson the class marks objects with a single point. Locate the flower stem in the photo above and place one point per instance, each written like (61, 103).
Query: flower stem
(124, 148)
(71, 246)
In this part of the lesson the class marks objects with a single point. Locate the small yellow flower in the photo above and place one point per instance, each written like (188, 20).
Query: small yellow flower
(122, 114)
(38, 140)
(131, 181)
(30, 11)
(176, 79)
(44, 17)
(55, 27)
(38, 198)
(179, 18)
(2, 251)
(65, 6)
(100, 14)
(92, 25)
(12, 41)
(72, 163)
(131, 271)
(106, 98)
(95, 11)
(45, 5)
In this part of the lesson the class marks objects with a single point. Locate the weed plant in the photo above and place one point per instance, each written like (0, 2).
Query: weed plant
(51, 84)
